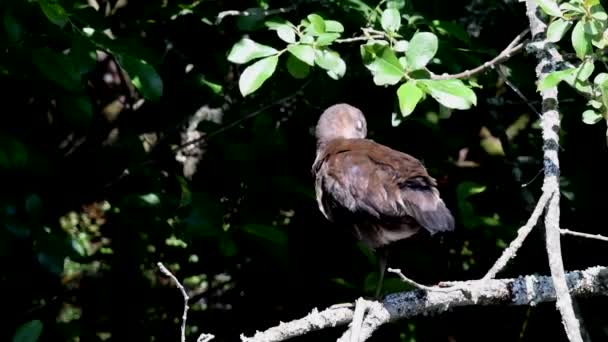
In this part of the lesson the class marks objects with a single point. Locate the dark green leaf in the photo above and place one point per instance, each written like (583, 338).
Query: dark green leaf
(327, 38)
(593, 27)
(452, 29)
(550, 7)
(77, 110)
(54, 12)
(422, 48)
(383, 63)
(296, 67)
(598, 13)
(246, 50)
(253, 20)
(333, 26)
(13, 27)
(256, 74)
(331, 62)
(557, 29)
(580, 41)
(390, 20)
(28, 332)
(305, 53)
(450, 93)
(227, 245)
(83, 54)
(591, 117)
(58, 68)
(266, 232)
(409, 95)
(143, 76)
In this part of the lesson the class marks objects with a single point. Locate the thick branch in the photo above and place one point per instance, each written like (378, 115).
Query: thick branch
(525, 290)
(548, 57)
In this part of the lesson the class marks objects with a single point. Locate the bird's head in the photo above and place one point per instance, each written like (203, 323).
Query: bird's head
(341, 121)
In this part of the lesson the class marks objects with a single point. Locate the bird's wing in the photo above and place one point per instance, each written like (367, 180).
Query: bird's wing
(371, 179)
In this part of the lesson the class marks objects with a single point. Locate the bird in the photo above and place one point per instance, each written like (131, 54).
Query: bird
(380, 194)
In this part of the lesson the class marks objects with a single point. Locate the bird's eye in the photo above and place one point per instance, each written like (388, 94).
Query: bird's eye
(359, 125)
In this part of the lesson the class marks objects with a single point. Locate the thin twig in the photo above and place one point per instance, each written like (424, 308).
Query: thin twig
(184, 294)
(513, 48)
(583, 235)
(230, 13)
(356, 39)
(522, 233)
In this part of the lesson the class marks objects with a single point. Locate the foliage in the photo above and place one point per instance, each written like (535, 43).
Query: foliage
(180, 132)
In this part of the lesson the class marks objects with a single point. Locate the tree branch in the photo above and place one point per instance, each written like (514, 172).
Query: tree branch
(548, 57)
(524, 290)
(513, 48)
(583, 235)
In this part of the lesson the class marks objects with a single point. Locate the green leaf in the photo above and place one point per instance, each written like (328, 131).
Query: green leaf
(333, 26)
(598, 13)
(305, 53)
(557, 29)
(452, 29)
(593, 27)
(390, 20)
(409, 95)
(246, 50)
(28, 332)
(252, 20)
(401, 46)
(591, 117)
(13, 27)
(227, 245)
(422, 48)
(326, 39)
(256, 74)
(317, 24)
(284, 30)
(450, 93)
(143, 76)
(215, 88)
(83, 54)
(57, 68)
(54, 12)
(383, 63)
(553, 79)
(572, 7)
(266, 232)
(296, 67)
(580, 41)
(600, 78)
(78, 110)
(550, 7)
(331, 62)
(585, 70)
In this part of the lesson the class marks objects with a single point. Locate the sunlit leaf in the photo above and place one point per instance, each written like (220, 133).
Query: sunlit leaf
(557, 29)
(383, 63)
(591, 117)
(256, 74)
(553, 79)
(317, 24)
(585, 70)
(331, 62)
(581, 42)
(327, 38)
(390, 20)
(401, 46)
(421, 49)
(450, 93)
(246, 50)
(305, 53)
(409, 95)
(550, 7)
(333, 26)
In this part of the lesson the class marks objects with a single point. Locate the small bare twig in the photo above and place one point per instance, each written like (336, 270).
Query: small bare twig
(231, 13)
(510, 252)
(356, 39)
(583, 235)
(420, 286)
(513, 48)
(202, 337)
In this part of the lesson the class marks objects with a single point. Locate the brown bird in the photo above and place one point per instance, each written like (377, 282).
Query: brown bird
(383, 195)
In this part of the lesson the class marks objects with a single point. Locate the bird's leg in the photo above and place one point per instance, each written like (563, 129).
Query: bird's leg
(382, 262)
